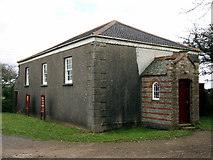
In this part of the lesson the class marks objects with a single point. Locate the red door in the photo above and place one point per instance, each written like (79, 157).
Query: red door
(184, 101)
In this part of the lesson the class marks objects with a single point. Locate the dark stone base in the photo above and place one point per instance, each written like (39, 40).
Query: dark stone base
(115, 125)
(157, 126)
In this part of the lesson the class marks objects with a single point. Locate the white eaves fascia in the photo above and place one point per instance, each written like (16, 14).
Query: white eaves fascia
(107, 40)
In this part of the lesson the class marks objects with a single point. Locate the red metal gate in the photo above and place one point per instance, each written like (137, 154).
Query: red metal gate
(43, 106)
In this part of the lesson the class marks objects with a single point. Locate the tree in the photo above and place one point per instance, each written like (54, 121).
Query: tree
(202, 39)
(8, 79)
(8, 75)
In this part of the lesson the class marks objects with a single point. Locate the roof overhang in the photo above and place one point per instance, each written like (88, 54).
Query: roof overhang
(103, 39)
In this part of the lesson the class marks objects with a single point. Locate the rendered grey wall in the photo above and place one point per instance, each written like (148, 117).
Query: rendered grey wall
(105, 92)
(146, 56)
(117, 86)
(63, 102)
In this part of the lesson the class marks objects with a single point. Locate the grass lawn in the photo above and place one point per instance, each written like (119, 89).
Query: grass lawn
(206, 123)
(21, 125)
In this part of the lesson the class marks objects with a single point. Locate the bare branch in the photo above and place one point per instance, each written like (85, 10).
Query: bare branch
(202, 5)
(195, 7)
(205, 12)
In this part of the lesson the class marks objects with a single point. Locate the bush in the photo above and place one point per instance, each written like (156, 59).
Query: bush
(8, 75)
(208, 102)
(7, 99)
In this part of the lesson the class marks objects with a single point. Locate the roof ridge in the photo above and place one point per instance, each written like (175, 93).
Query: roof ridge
(179, 58)
(165, 57)
(107, 26)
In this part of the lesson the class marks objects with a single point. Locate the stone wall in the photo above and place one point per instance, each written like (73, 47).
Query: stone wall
(186, 69)
(164, 113)
(157, 113)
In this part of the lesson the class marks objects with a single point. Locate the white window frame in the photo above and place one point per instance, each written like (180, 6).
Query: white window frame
(44, 74)
(27, 80)
(68, 70)
(155, 88)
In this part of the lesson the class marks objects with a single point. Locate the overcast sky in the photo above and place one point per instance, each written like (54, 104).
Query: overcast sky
(30, 26)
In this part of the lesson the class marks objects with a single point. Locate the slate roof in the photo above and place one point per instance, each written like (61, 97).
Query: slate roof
(117, 30)
(159, 65)
(153, 68)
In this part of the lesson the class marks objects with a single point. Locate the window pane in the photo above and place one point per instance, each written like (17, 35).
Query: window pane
(27, 76)
(69, 67)
(44, 75)
(45, 78)
(69, 74)
(155, 91)
(45, 68)
(68, 70)
(69, 77)
(157, 94)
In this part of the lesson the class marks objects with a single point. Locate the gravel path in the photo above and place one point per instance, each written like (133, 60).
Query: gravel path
(198, 145)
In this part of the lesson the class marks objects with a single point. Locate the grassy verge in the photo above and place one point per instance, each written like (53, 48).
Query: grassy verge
(21, 125)
(206, 123)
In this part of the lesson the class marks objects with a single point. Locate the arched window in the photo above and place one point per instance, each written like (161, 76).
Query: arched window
(155, 91)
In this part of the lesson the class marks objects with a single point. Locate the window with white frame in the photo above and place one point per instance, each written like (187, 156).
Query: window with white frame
(44, 74)
(155, 91)
(68, 70)
(27, 76)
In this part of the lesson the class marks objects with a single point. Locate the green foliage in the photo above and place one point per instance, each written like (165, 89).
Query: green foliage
(206, 123)
(8, 99)
(202, 38)
(8, 79)
(8, 75)
(16, 124)
(208, 102)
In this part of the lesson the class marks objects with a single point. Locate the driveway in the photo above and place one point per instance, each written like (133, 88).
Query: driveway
(197, 145)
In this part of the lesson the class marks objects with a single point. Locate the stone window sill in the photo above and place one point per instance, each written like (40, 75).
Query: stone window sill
(68, 84)
(155, 100)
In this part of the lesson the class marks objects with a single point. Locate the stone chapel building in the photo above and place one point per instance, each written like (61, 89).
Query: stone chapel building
(112, 76)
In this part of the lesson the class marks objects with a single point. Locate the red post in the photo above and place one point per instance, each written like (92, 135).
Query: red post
(27, 105)
(43, 106)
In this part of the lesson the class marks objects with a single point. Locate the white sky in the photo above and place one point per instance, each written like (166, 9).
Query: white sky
(30, 26)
